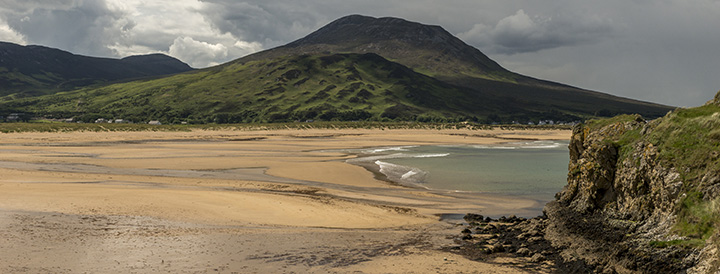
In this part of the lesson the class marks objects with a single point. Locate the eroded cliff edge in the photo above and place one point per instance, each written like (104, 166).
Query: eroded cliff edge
(642, 196)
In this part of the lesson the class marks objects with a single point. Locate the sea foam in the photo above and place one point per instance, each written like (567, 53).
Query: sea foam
(386, 149)
(521, 145)
(402, 174)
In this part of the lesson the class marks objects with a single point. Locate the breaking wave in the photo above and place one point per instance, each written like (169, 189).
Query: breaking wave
(402, 174)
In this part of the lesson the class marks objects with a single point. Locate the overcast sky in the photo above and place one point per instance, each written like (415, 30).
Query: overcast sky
(664, 51)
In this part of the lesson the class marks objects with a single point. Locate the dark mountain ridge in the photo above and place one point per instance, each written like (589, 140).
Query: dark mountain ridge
(35, 70)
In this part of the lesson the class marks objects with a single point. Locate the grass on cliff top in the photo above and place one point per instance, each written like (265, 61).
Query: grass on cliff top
(689, 140)
(601, 123)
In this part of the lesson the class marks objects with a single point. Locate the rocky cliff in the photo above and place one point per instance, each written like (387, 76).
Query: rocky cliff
(642, 196)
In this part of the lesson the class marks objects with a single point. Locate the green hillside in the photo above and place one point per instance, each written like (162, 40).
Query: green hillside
(37, 70)
(325, 87)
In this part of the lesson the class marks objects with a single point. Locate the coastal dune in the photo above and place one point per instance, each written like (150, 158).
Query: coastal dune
(231, 201)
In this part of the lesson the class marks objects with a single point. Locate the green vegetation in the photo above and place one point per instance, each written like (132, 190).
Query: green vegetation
(69, 127)
(698, 218)
(596, 124)
(687, 139)
(340, 87)
(36, 70)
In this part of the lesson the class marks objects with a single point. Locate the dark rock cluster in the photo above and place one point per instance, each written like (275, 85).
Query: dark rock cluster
(546, 244)
(486, 239)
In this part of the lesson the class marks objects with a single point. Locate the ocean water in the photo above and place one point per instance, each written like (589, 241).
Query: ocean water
(535, 169)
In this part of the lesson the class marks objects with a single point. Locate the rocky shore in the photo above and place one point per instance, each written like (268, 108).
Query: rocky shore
(571, 243)
(519, 239)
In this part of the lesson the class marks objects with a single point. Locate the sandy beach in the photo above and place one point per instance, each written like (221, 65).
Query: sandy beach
(232, 201)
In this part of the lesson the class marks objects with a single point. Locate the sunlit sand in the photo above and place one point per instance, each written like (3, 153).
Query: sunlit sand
(243, 201)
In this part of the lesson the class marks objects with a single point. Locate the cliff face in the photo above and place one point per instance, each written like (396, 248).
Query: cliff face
(642, 196)
(634, 186)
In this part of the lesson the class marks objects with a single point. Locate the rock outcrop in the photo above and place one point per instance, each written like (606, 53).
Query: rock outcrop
(715, 101)
(642, 196)
(633, 186)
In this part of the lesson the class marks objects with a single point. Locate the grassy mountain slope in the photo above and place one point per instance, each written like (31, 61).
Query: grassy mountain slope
(433, 51)
(36, 70)
(325, 87)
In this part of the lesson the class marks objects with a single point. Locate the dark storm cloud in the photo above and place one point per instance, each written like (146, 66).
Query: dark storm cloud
(269, 22)
(89, 27)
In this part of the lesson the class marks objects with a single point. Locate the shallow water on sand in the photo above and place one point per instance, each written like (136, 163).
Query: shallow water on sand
(534, 170)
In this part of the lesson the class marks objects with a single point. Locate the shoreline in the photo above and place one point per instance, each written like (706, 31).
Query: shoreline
(374, 159)
(373, 168)
(208, 180)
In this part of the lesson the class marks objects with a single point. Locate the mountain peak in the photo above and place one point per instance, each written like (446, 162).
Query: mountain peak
(360, 28)
(353, 19)
(395, 39)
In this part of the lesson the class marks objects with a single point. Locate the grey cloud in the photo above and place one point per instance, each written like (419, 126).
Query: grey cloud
(276, 22)
(86, 27)
(29, 5)
(154, 38)
(520, 32)
(269, 22)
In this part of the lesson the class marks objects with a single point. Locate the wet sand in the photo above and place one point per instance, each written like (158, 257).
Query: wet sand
(278, 201)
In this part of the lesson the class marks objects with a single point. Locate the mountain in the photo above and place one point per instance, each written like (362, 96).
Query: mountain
(433, 51)
(355, 68)
(36, 70)
(304, 87)
(427, 49)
